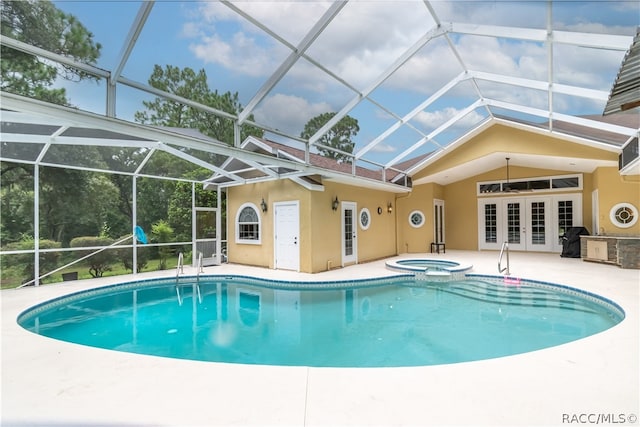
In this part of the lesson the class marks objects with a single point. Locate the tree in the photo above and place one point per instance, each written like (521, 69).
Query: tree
(42, 24)
(162, 233)
(193, 86)
(338, 137)
(180, 207)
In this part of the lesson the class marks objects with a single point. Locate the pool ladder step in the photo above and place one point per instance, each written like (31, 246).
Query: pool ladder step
(190, 282)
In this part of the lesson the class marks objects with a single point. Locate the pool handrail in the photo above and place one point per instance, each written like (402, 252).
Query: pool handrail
(180, 270)
(505, 248)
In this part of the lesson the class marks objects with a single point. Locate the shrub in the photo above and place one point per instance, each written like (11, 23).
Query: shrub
(162, 233)
(98, 262)
(48, 261)
(126, 256)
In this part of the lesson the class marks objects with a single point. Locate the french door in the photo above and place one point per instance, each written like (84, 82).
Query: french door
(532, 223)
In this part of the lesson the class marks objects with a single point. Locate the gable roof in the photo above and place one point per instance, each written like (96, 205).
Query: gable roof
(625, 93)
(348, 173)
(563, 132)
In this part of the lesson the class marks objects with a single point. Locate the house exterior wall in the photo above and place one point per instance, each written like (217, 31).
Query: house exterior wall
(417, 239)
(391, 233)
(613, 189)
(462, 202)
(262, 254)
(378, 241)
(320, 226)
(461, 223)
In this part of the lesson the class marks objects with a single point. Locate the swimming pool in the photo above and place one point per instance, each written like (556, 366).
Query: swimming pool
(398, 321)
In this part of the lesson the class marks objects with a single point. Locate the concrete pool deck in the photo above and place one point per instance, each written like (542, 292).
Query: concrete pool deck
(47, 382)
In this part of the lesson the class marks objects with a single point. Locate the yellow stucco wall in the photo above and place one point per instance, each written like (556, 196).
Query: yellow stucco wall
(320, 225)
(461, 201)
(411, 239)
(272, 191)
(500, 138)
(614, 189)
(376, 242)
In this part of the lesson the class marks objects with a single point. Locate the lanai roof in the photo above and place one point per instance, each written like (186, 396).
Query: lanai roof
(417, 75)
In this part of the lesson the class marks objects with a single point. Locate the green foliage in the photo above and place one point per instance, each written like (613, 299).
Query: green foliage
(99, 262)
(72, 203)
(16, 204)
(48, 261)
(180, 207)
(42, 24)
(162, 233)
(188, 84)
(126, 257)
(338, 137)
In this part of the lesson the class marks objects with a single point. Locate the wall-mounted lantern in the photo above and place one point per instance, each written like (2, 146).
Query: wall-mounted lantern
(334, 204)
(389, 207)
(263, 205)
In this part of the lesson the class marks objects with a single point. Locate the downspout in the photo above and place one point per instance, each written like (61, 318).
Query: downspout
(397, 224)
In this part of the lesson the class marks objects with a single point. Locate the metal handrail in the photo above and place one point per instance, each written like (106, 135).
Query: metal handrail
(180, 270)
(199, 266)
(180, 266)
(505, 248)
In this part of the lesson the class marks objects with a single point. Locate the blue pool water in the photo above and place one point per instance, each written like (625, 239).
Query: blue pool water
(396, 321)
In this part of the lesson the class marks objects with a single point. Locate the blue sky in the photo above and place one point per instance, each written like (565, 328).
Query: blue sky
(360, 43)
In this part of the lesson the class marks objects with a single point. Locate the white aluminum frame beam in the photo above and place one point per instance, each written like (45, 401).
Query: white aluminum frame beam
(434, 97)
(597, 41)
(293, 57)
(408, 54)
(86, 119)
(36, 51)
(132, 38)
(436, 132)
(599, 95)
(563, 117)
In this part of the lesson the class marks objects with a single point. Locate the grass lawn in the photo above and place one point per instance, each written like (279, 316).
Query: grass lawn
(12, 277)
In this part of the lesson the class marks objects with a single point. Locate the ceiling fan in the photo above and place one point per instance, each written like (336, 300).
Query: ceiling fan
(507, 187)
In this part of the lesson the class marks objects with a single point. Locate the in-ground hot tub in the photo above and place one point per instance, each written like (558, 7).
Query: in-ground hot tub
(431, 269)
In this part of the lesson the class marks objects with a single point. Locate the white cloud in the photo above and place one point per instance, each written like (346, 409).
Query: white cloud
(288, 113)
(431, 120)
(240, 53)
(384, 148)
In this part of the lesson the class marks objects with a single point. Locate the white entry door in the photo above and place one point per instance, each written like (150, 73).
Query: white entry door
(349, 233)
(287, 235)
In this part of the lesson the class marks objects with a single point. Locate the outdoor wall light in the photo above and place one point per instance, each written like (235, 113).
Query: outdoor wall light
(389, 207)
(263, 205)
(334, 204)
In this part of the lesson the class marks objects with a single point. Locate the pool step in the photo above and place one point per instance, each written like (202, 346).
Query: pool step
(506, 294)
